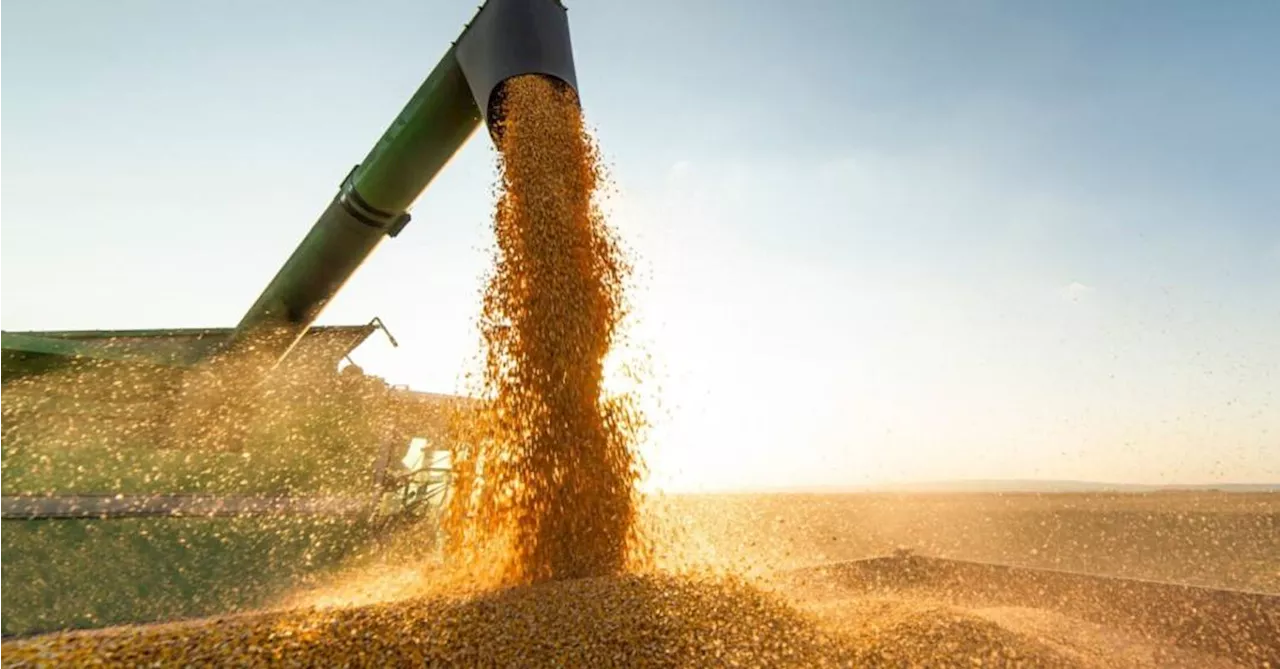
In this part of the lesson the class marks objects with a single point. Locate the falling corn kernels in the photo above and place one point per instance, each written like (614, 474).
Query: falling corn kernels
(545, 470)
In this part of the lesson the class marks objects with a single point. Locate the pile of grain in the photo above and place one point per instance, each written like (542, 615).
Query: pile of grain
(654, 621)
(545, 472)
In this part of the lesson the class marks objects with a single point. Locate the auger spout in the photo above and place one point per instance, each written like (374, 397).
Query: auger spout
(506, 38)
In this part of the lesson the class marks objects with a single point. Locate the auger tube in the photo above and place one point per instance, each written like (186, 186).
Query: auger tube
(506, 38)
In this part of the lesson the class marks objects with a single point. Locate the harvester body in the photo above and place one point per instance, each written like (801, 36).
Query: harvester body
(221, 376)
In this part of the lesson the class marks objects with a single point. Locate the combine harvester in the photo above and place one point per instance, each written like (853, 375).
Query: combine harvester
(179, 383)
(191, 388)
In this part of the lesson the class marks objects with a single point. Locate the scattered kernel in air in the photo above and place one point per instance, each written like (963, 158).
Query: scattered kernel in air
(552, 558)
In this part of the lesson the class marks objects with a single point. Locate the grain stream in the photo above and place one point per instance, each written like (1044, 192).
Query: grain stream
(545, 470)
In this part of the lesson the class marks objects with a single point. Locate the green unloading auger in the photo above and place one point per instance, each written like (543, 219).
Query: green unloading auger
(507, 38)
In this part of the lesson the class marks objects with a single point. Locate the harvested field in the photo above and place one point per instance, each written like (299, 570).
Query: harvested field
(700, 619)
(1213, 539)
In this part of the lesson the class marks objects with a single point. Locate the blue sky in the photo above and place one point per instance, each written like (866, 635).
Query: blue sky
(879, 240)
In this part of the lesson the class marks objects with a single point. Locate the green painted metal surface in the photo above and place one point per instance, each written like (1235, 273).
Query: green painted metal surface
(436, 122)
(42, 344)
(371, 205)
(37, 352)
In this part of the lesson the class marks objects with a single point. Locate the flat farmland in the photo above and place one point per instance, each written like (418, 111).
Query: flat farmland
(1224, 540)
(1209, 538)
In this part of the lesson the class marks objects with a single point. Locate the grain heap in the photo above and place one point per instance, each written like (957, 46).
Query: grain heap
(620, 621)
(545, 473)
(592, 622)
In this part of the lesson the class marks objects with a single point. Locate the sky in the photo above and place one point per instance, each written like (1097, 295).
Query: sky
(877, 241)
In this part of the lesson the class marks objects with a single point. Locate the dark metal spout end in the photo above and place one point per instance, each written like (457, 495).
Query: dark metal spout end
(509, 38)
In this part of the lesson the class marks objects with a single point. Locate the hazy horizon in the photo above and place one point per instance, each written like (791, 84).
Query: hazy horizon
(997, 486)
(877, 241)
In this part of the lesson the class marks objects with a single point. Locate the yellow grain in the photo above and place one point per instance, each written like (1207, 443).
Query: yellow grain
(545, 472)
